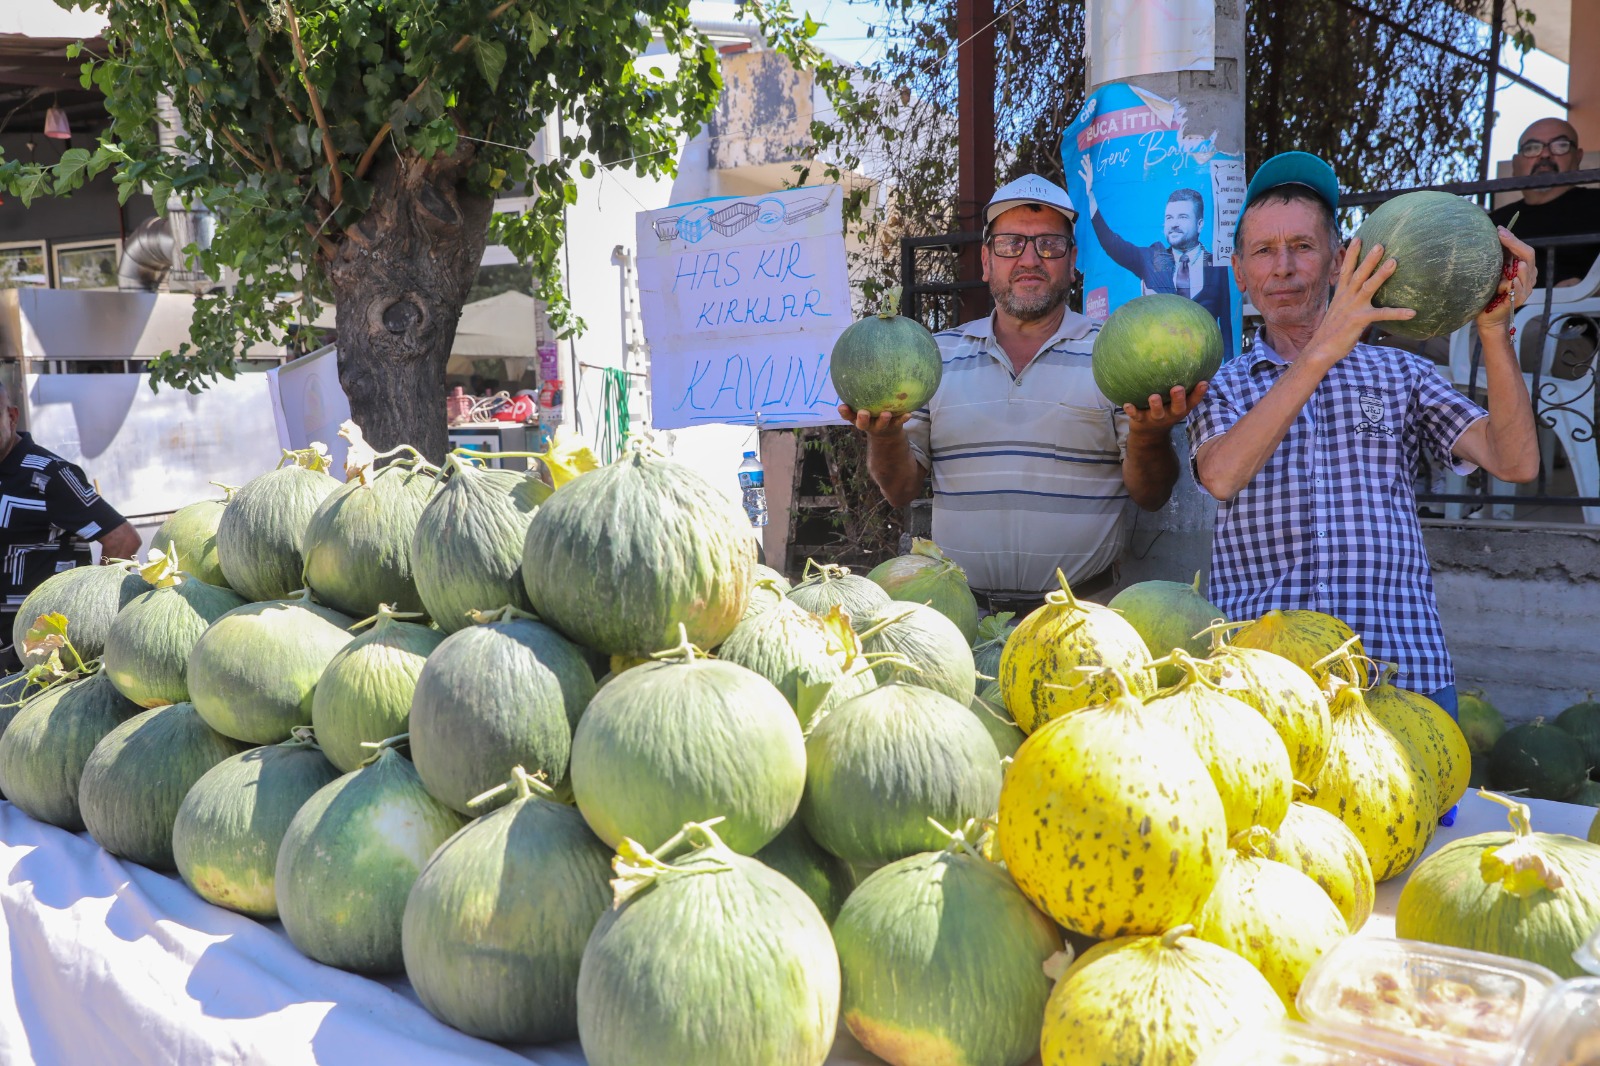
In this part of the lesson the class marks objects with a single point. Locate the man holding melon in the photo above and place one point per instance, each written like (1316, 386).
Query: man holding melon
(1032, 466)
(1309, 438)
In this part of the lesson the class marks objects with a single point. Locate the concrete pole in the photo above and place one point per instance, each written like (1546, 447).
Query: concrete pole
(1175, 542)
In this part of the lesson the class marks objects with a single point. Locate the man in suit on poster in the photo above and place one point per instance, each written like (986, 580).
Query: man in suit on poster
(1182, 265)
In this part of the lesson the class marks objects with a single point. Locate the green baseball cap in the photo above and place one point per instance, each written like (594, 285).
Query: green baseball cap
(1294, 168)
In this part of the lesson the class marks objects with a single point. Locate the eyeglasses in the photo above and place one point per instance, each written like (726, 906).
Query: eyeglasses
(1559, 146)
(1048, 245)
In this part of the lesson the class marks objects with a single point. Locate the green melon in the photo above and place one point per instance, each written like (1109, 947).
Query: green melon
(825, 586)
(1582, 720)
(883, 763)
(495, 926)
(1480, 721)
(618, 559)
(1003, 730)
(261, 534)
(927, 576)
(1588, 795)
(993, 632)
(89, 597)
(1447, 260)
(253, 673)
(1152, 343)
(708, 958)
(936, 655)
(191, 530)
(802, 860)
(358, 543)
(147, 648)
(815, 662)
(364, 695)
(942, 960)
(685, 738)
(1168, 615)
(1538, 759)
(138, 775)
(349, 859)
(466, 554)
(504, 693)
(226, 834)
(43, 750)
(886, 362)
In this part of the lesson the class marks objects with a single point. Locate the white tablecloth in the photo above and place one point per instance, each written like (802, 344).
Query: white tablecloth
(107, 962)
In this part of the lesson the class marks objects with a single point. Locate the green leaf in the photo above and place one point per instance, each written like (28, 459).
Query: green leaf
(490, 57)
(586, 168)
(70, 169)
(34, 182)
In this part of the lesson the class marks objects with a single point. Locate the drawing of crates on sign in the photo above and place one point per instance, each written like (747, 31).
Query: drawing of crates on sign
(733, 218)
(666, 228)
(804, 209)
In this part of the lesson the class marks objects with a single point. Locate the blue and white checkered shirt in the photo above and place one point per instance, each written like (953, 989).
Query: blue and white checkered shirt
(1330, 522)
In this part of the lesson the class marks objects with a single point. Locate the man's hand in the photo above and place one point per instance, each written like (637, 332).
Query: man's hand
(1163, 414)
(119, 543)
(882, 425)
(1086, 168)
(1517, 280)
(1350, 311)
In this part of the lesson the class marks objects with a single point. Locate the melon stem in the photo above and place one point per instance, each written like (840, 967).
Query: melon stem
(1170, 938)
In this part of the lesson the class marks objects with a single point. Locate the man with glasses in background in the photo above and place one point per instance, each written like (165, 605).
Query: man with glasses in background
(1550, 146)
(1032, 467)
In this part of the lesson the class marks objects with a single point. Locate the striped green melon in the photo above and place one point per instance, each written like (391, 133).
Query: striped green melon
(147, 648)
(993, 632)
(991, 711)
(1447, 260)
(1168, 615)
(191, 532)
(815, 662)
(935, 653)
(1539, 759)
(1141, 1000)
(619, 559)
(252, 675)
(707, 958)
(1151, 344)
(43, 750)
(261, 534)
(349, 859)
(364, 693)
(885, 362)
(1482, 723)
(686, 738)
(942, 960)
(88, 596)
(768, 589)
(883, 763)
(927, 575)
(1582, 721)
(1271, 915)
(226, 834)
(825, 586)
(824, 878)
(506, 692)
(1129, 801)
(495, 926)
(466, 554)
(137, 777)
(1532, 896)
(358, 543)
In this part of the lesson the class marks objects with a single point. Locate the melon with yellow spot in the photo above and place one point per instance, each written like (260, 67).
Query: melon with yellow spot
(1309, 639)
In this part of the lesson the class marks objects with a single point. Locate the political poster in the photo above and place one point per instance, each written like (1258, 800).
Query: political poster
(742, 299)
(1129, 38)
(1157, 204)
(309, 404)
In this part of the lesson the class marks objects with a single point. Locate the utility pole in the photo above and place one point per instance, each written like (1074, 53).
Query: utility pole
(975, 139)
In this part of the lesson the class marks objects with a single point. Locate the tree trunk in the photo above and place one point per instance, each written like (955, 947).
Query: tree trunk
(400, 277)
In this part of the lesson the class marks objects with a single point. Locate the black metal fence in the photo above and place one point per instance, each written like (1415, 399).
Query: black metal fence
(1565, 390)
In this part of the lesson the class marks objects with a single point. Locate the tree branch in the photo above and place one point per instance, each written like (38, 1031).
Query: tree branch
(242, 150)
(383, 130)
(316, 106)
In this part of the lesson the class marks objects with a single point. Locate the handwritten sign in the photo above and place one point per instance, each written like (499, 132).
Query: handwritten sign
(742, 299)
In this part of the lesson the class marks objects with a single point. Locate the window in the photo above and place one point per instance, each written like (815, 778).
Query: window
(23, 266)
(87, 264)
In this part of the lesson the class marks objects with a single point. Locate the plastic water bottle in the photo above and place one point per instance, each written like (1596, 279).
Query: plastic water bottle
(753, 489)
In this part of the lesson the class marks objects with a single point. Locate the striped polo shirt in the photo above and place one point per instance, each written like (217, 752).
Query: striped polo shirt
(1026, 468)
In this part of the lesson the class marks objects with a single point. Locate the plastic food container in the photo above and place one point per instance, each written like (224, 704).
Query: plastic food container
(1588, 953)
(1566, 1031)
(1465, 1007)
(1288, 1043)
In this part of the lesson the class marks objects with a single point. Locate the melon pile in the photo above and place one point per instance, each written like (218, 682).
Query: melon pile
(555, 747)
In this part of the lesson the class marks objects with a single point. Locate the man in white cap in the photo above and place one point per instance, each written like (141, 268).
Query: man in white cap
(1310, 437)
(1032, 467)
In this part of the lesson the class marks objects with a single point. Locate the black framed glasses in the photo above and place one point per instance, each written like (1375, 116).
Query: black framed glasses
(1048, 245)
(1557, 146)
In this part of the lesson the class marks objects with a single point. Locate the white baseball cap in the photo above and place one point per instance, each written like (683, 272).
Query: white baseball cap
(1029, 189)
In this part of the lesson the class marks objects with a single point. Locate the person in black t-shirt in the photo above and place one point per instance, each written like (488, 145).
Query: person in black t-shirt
(1550, 146)
(49, 512)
